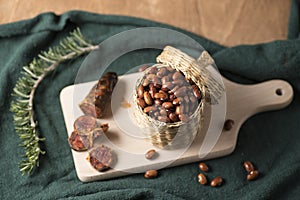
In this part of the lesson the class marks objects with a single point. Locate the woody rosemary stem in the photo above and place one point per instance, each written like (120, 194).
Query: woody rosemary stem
(32, 75)
(50, 69)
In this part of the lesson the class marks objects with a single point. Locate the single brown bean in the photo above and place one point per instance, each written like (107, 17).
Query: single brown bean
(228, 124)
(147, 98)
(252, 175)
(183, 117)
(157, 101)
(145, 82)
(167, 105)
(171, 69)
(157, 82)
(165, 79)
(186, 99)
(153, 70)
(152, 91)
(164, 119)
(161, 96)
(163, 92)
(162, 72)
(196, 91)
(173, 117)
(248, 166)
(141, 103)
(216, 181)
(170, 76)
(140, 91)
(179, 109)
(202, 179)
(179, 82)
(143, 68)
(177, 75)
(150, 154)
(203, 167)
(174, 89)
(151, 76)
(180, 91)
(177, 101)
(186, 108)
(149, 108)
(167, 86)
(193, 99)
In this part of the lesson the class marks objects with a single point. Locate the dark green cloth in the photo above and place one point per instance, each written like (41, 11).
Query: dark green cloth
(270, 140)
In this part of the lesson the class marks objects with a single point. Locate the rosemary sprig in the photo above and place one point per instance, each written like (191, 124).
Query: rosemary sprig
(32, 75)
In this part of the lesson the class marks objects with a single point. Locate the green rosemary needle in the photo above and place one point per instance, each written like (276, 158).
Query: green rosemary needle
(24, 91)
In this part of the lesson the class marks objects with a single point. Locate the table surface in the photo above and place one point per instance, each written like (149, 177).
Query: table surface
(231, 22)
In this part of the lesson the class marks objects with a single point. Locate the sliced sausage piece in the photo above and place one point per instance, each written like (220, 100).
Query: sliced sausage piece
(86, 130)
(95, 103)
(79, 142)
(85, 124)
(101, 158)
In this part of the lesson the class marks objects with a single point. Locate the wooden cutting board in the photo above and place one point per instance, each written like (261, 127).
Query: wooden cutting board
(125, 139)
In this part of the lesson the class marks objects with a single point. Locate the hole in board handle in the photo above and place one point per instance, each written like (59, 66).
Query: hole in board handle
(279, 92)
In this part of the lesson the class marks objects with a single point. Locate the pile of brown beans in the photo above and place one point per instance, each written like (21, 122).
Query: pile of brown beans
(202, 179)
(252, 174)
(166, 95)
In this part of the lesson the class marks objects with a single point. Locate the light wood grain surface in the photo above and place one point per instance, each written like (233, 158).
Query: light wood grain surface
(229, 22)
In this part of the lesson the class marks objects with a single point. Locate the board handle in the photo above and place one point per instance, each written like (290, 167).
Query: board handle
(266, 96)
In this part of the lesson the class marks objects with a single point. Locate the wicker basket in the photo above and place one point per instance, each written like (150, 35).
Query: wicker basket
(179, 134)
